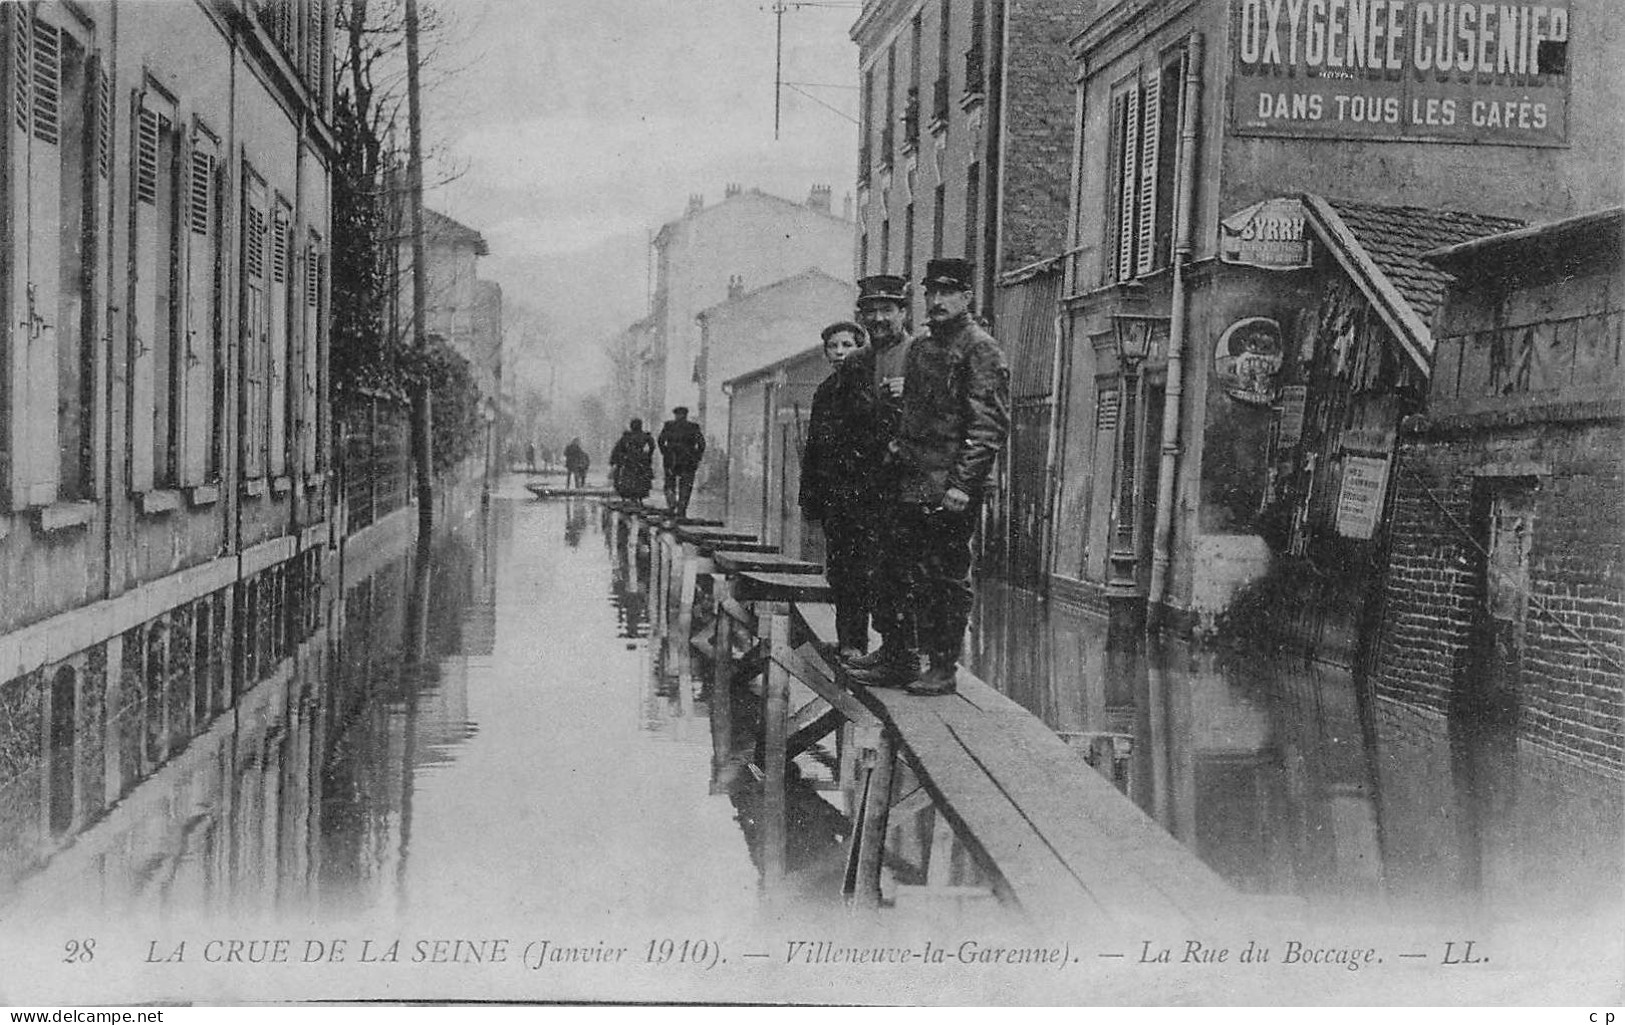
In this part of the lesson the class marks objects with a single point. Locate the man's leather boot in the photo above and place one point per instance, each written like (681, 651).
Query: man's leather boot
(937, 680)
(898, 669)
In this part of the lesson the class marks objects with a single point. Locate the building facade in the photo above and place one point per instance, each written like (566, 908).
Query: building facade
(1251, 193)
(164, 435)
(1504, 594)
(764, 325)
(967, 131)
(751, 239)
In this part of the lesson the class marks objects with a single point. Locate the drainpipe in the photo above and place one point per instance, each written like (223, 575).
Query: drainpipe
(1184, 213)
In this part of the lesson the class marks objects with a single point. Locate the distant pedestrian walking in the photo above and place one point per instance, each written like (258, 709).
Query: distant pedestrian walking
(631, 463)
(576, 463)
(682, 444)
(530, 455)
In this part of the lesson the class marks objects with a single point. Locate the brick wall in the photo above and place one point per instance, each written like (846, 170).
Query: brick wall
(1038, 110)
(1570, 689)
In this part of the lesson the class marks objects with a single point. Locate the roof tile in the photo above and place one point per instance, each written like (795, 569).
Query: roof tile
(1396, 237)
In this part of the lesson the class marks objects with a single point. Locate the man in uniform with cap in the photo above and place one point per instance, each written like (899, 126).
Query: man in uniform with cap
(956, 415)
(883, 312)
(682, 443)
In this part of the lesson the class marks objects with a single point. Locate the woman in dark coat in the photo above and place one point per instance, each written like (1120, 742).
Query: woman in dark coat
(631, 462)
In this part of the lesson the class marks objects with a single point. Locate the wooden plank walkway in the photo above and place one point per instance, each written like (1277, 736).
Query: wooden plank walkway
(1063, 841)
(959, 798)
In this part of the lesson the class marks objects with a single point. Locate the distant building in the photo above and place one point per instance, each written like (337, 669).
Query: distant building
(1504, 593)
(769, 411)
(965, 134)
(1245, 314)
(750, 238)
(462, 309)
(753, 328)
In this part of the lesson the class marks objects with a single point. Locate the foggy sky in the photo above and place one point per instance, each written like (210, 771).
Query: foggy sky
(579, 125)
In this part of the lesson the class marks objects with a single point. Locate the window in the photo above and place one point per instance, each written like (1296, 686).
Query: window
(1140, 168)
(863, 255)
(281, 339)
(310, 426)
(911, 109)
(888, 134)
(885, 246)
(866, 131)
(908, 240)
(939, 210)
(58, 146)
(157, 358)
(973, 200)
(200, 454)
(939, 99)
(975, 62)
(255, 324)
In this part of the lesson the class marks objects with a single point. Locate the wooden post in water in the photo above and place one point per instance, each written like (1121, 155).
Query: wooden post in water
(722, 743)
(773, 626)
(871, 826)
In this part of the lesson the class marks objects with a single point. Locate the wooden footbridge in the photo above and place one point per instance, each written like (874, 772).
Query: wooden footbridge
(966, 798)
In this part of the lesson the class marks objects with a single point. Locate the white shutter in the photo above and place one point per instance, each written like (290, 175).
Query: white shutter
(277, 400)
(16, 423)
(1145, 228)
(145, 298)
(201, 345)
(45, 268)
(1127, 179)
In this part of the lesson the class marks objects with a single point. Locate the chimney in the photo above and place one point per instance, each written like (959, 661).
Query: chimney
(731, 190)
(846, 207)
(696, 203)
(818, 198)
(736, 286)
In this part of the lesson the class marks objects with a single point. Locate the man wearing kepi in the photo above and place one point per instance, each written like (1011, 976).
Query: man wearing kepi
(883, 312)
(956, 414)
(682, 444)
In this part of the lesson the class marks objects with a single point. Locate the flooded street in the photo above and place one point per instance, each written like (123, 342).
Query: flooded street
(485, 744)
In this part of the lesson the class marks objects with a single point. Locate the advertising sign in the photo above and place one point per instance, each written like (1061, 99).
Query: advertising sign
(1400, 69)
(1273, 235)
(1247, 358)
(1359, 502)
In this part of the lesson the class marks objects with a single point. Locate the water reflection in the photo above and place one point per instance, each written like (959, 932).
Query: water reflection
(1284, 779)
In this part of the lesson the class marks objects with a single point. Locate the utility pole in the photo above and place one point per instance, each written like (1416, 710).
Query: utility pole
(422, 393)
(778, 62)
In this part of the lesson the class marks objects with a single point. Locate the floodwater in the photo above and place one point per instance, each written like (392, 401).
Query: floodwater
(1290, 782)
(489, 740)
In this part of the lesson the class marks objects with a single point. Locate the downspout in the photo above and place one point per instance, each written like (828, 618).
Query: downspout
(1061, 362)
(1162, 534)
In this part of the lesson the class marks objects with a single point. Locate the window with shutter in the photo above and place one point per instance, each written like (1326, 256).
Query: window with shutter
(157, 386)
(310, 413)
(47, 82)
(200, 458)
(255, 326)
(1146, 215)
(281, 337)
(1126, 180)
(44, 411)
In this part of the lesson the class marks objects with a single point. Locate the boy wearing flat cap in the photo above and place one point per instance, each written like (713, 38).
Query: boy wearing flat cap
(837, 479)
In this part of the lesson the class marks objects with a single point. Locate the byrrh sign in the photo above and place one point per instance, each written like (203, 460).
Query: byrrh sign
(1400, 69)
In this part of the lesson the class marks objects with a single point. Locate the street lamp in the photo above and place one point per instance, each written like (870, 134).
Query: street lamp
(1131, 335)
